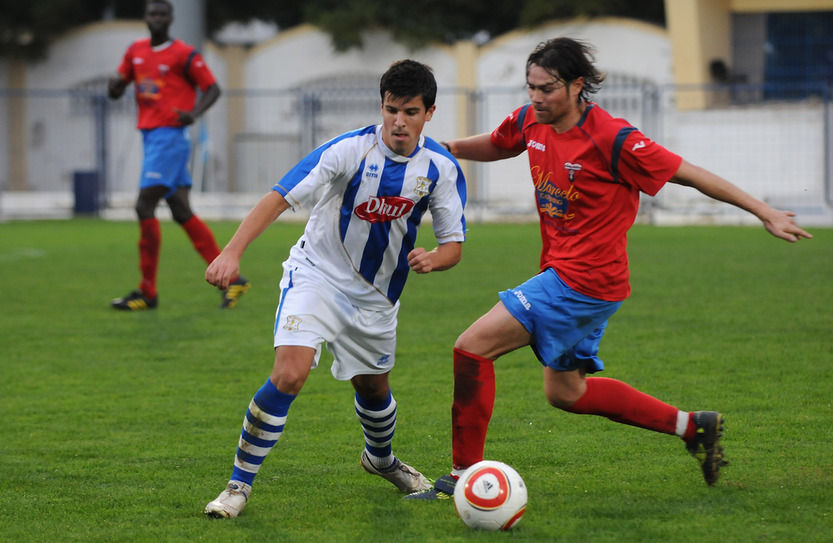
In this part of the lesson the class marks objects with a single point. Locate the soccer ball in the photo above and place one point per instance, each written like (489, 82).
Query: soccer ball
(490, 496)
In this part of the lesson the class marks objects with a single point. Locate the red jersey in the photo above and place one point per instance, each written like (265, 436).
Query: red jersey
(165, 78)
(587, 184)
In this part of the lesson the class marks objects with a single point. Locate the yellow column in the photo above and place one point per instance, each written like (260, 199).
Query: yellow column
(18, 177)
(465, 54)
(235, 57)
(700, 32)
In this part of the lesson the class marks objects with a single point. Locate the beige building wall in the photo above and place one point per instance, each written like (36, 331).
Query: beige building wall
(700, 31)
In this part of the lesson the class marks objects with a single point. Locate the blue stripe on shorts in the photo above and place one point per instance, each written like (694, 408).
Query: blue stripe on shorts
(167, 150)
(566, 326)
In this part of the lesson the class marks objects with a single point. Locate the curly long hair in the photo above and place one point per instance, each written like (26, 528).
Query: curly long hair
(567, 60)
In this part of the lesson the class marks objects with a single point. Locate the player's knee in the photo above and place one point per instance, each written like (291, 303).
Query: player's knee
(562, 395)
(560, 401)
(464, 342)
(144, 209)
(372, 388)
(180, 209)
(288, 382)
(181, 218)
(148, 200)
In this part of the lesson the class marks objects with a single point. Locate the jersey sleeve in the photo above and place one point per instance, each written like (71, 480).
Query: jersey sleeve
(508, 134)
(447, 203)
(645, 164)
(197, 71)
(125, 69)
(299, 185)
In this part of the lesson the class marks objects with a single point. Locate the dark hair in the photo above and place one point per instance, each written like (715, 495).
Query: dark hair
(166, 2)
(567, 60)
(408, 79)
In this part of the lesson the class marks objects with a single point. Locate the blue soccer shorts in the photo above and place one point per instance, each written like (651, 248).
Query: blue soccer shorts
(167, 150)
(566, 326)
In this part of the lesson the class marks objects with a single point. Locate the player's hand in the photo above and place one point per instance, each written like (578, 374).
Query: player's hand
(222, 271)
(782, 225)
(185, 117)
(420, 260)
(115, 87)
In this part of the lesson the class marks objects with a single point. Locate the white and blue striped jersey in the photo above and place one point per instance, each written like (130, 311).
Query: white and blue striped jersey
(363, 226)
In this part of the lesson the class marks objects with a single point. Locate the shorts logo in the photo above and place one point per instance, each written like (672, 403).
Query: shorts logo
(384, 208)
(292, 323)
(423, 186)
(521, 298)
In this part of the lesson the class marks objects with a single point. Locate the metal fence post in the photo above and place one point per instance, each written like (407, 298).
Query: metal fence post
(100, 111)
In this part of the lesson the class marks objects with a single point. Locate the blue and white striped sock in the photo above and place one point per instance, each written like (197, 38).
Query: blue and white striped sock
(262, 427)
(378, 420)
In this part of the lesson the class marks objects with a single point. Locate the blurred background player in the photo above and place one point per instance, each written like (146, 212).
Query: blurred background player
(588, 170)
(342, 280)
(166, 74)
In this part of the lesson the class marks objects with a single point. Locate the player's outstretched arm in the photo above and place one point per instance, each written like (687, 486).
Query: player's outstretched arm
(226, 266)
(777, 222)
(443, 257)
(479, 148)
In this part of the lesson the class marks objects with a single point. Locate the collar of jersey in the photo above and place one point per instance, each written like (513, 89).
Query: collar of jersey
(161, 46)
(394, 156)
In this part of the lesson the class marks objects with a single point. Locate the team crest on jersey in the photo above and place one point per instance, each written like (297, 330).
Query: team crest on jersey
(292, 323)
(571, 170)
(423, 186)
(553, 200)
(384, 208)
(149, 88)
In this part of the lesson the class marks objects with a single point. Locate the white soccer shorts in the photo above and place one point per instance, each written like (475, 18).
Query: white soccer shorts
(311, 311)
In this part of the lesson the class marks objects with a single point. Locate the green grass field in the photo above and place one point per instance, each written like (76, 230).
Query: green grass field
(120, 427)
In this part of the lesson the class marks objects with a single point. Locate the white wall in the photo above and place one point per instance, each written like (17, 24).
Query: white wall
(774, 153)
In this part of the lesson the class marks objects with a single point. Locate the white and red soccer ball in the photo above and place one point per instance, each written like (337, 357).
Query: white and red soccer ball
(490, 495)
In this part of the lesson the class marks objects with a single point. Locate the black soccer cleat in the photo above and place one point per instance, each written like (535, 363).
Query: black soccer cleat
(705, 447)
(235, 290)
(135, 301)
(443, 489)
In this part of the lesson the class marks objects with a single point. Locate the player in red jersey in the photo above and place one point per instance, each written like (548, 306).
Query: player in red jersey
(167, 74)
(588, 170)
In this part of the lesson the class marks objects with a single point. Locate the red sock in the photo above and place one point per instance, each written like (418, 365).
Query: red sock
(150, 239)
(474, 398)
(620, 402)
(691, 429)
(202, 238)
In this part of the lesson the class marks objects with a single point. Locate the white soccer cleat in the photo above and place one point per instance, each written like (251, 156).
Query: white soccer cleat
(230, 502)
(403, 476)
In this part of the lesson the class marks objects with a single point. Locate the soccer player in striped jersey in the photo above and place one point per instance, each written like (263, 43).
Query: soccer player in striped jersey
(588, 170)
(167, 73)
(343, 278)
